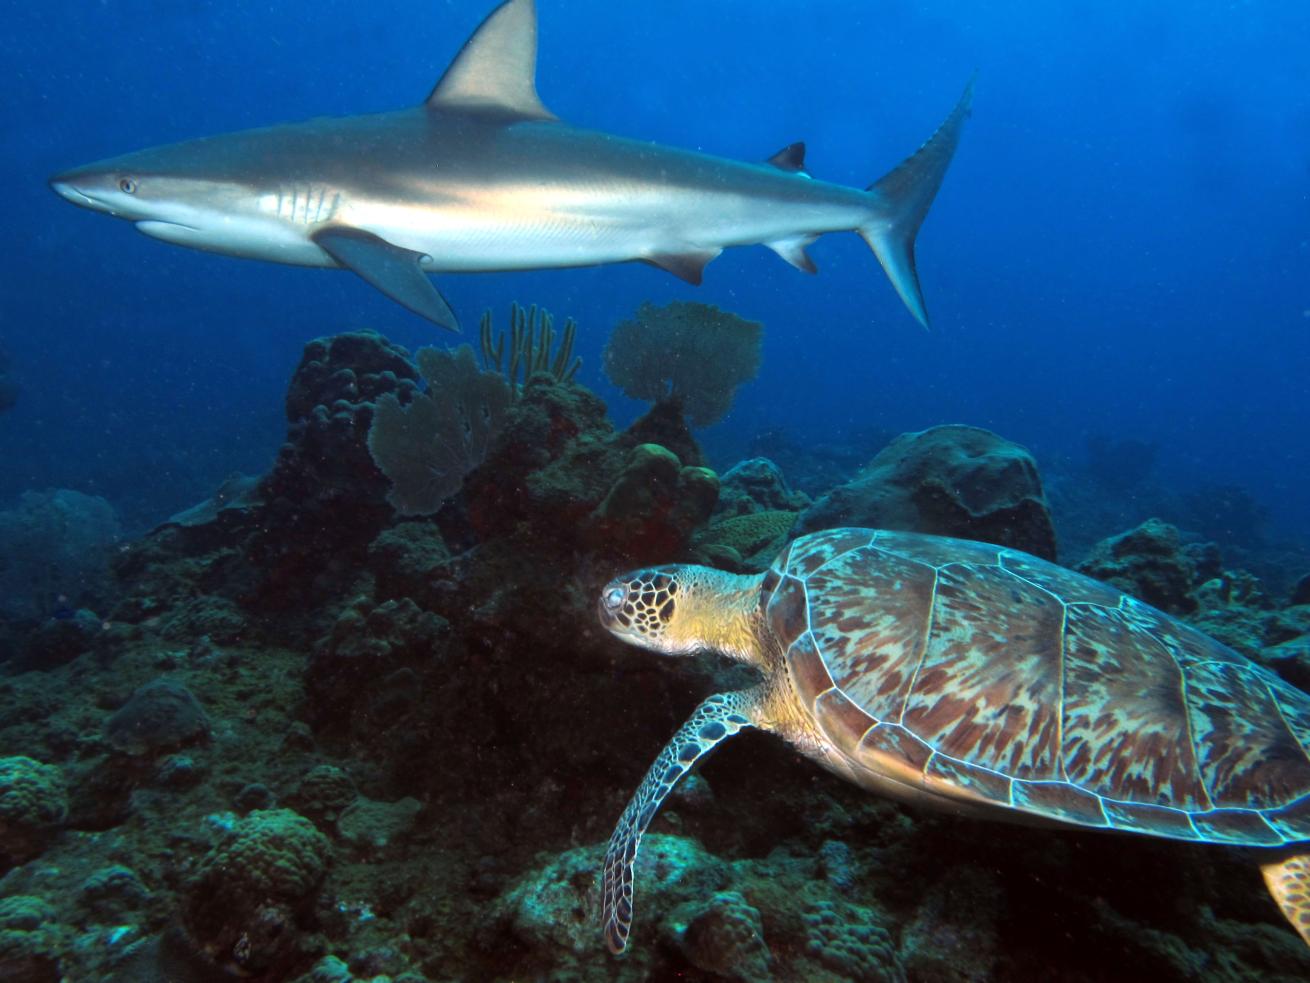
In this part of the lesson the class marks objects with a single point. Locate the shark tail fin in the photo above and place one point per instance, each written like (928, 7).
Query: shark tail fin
(903, 197)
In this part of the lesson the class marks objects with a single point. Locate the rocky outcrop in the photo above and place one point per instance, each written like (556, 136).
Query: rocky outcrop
(1149, 563)
(949, 481)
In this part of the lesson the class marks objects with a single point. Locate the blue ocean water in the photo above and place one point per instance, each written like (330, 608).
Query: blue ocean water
(1121, 246)
(437, 711)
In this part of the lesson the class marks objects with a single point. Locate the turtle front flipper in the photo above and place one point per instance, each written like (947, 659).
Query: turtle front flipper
(1288, 880)
(713, 722)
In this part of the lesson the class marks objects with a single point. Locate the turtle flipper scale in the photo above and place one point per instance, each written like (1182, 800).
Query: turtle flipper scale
(713, 722)
(1288, 880)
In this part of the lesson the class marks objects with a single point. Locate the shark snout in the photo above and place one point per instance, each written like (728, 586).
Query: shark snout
(66, 186)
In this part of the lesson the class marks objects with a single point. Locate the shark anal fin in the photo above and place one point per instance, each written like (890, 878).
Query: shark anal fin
(496, 70)
(687, 265)
(392, 269)
(793, 251)
(1288, 880)
(790, 158)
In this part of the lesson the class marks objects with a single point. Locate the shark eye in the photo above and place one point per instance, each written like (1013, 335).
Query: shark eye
(127, 186)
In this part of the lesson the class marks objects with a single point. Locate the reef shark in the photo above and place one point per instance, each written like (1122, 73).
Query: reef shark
(483, 177)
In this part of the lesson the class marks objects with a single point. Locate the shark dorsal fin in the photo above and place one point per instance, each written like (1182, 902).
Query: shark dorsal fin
(495, 72)
(790, 158)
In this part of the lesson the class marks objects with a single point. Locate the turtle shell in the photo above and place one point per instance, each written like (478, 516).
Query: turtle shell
(977, 673)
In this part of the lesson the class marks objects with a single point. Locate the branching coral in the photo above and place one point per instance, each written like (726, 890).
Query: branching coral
(531, 338)
(693, 353)
(427, 447)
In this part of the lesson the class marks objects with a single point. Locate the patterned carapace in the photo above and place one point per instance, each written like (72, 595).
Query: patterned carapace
(994, 677)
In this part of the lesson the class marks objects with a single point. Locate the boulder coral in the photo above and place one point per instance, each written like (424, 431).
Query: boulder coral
(757, 485)
(30, 941)
(744, 543)
(852, 941)
(655, 503)
(253, 893)
(162, 715)
(722, 935)
(1149, 563)
(33, 808)
(950, 480)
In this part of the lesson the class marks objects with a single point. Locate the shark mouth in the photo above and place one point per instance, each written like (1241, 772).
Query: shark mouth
(70, 193)
(168, 231)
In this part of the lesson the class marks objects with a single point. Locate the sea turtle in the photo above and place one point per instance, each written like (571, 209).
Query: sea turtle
(984, 681)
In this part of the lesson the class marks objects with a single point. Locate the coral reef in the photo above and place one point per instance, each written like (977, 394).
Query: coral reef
(33, 808)
(722, 935)
(415, 739)
(111, 894)
(655, 503)
(1149, 563)
(852, 942)
(747, 542)
(694, 354)
(162, 715)
(757, 485)
(1301, 591)
(951, 481)
(54, 553)
(816, 463)
(253, 893)
(60, 639)
(30, 941)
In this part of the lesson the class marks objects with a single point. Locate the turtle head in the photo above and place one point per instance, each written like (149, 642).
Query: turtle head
(683, 609)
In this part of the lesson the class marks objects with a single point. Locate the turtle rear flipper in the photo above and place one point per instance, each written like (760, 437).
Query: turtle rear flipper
(713, 722)
(1288, 880)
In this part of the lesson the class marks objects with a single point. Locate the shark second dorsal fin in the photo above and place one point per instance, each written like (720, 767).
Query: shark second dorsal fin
(495, 72)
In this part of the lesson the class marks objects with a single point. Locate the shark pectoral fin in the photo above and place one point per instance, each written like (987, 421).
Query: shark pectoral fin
(687, 265)
(496, 70)
(790, 158)
(393, 270)
(1288, 880)
(793, 251)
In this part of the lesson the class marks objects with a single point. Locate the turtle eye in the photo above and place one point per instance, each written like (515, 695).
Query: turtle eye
(614, 597)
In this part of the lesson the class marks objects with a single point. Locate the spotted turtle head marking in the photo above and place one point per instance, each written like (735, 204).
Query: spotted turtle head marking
(641, 607)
